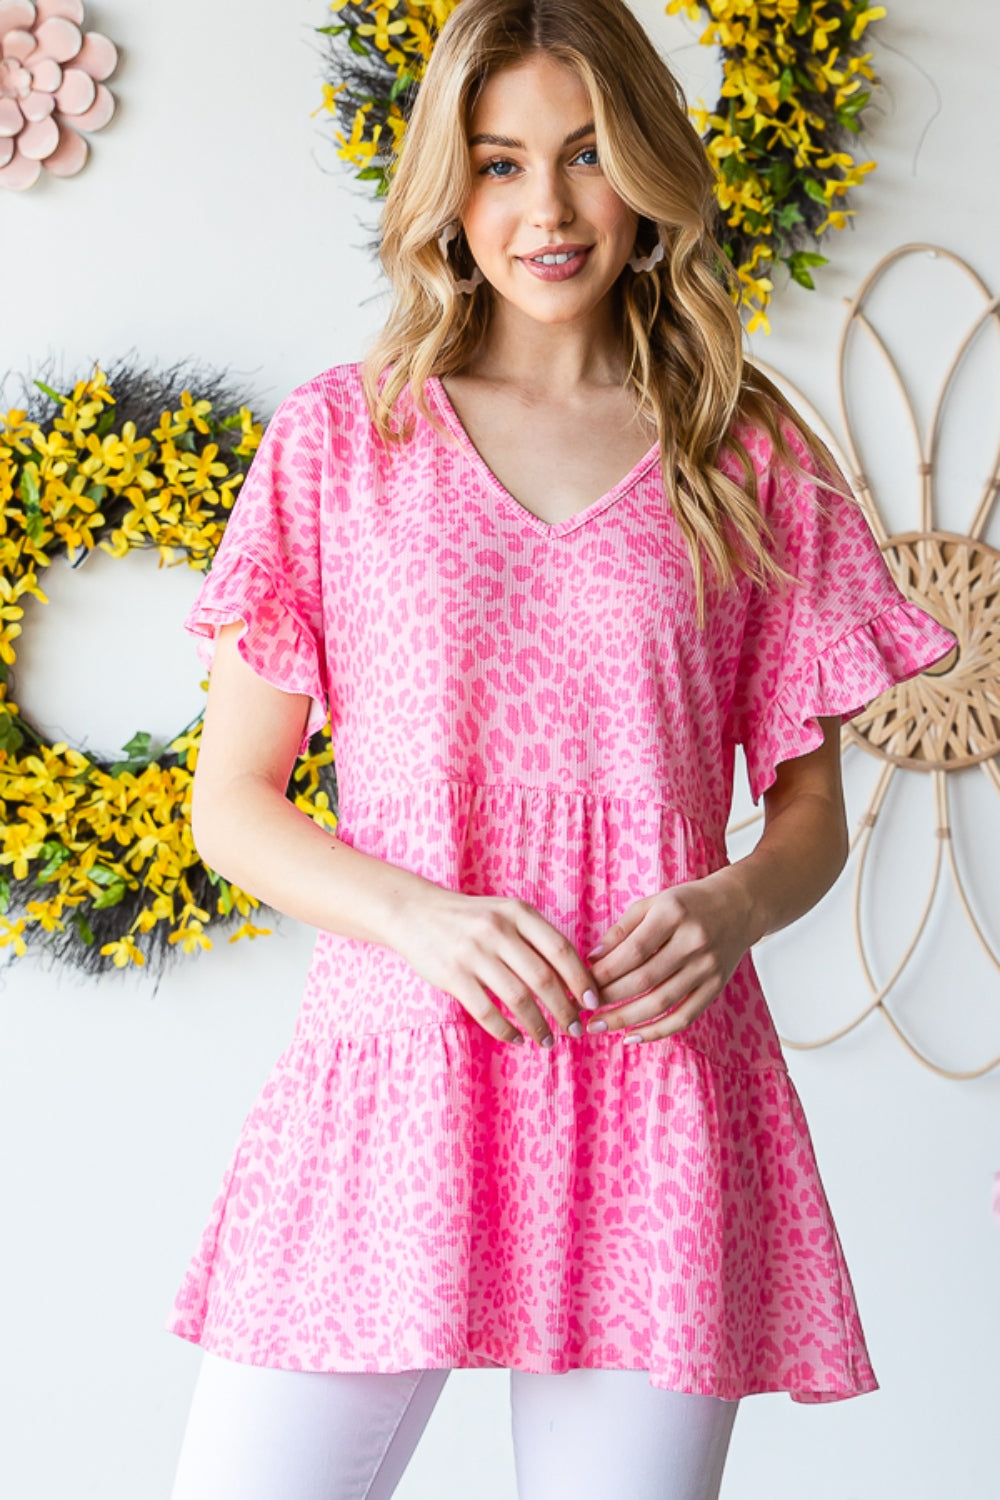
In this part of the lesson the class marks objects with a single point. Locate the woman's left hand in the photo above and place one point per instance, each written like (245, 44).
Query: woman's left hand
(674, 951)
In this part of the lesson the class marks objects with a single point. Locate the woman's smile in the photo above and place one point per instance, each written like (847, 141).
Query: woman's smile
(557, 265)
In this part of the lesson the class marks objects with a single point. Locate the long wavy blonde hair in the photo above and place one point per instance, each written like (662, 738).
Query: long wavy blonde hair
(682, 337)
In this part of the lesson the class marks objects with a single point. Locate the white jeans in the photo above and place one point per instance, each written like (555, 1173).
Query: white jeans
(255, 1433)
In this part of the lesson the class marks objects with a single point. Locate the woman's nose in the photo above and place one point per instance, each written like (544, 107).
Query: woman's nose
(549, 200)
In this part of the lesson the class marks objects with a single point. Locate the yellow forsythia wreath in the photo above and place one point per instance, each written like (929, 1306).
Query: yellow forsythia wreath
(97, 863)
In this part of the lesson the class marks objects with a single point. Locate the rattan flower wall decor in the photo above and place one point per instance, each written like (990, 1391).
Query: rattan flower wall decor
(945, 722)
(51, 89)
(792, 98)
(97, 864)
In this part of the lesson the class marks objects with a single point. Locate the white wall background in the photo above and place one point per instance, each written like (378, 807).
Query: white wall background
(214, 221)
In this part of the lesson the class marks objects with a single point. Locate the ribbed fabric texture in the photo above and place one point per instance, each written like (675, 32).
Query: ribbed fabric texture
(524, 709)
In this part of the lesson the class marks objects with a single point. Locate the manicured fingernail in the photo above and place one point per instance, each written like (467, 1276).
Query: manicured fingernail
(597, 1026)
(516, 1039)
(633, 1036)
(590, 1000)
(548, 1041)
(595, 951)
(575, 1029)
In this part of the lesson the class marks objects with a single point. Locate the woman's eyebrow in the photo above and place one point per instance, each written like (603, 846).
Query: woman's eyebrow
(511, 144)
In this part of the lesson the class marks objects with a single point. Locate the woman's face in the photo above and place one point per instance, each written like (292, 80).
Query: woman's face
(537, 186)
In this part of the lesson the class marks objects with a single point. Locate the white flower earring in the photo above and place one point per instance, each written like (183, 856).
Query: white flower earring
(448, 233)
(647, 262)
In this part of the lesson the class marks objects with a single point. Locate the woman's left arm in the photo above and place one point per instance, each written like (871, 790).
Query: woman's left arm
(677, 949)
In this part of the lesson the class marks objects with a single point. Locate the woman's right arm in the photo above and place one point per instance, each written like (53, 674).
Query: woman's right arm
(246, 829)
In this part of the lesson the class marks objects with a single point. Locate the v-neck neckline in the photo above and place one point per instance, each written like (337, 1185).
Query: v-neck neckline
(456, 426)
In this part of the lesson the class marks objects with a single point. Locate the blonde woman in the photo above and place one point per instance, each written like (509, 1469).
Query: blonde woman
(548, 555)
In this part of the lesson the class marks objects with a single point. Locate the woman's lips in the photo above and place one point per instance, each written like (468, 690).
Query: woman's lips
(557, 273)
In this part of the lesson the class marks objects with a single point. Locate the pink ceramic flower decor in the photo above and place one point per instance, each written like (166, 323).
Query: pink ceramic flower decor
(50, 88)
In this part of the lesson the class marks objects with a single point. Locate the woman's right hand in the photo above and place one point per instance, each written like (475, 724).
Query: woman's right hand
(467, 944)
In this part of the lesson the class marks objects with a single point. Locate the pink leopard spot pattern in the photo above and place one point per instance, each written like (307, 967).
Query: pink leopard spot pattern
(526, 709)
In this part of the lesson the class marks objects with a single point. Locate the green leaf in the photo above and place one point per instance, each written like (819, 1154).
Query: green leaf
(226, 897)
(138, 753)
(11, 736)
(30, 492)
(368, 174)
(55, 853)
(734, 170)
(111, 896)
(778, 176)
(788, 215)
(34, 525)
(96, 492)
(120, 767)
(357, 45)
(797, 266)
(4, 893)
(106, 422)
(48, 391)
(101, 875)
(786, 85)
(331, 30)
(803, 16)
(814, 189)
(854, 104)
(138, 745)
(402, 82)
(84, 928)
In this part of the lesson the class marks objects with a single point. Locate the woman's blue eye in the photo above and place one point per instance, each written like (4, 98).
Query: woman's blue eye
(503, 161)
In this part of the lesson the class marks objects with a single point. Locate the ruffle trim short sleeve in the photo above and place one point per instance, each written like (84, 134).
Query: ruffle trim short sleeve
(266, 570)
(838, 638)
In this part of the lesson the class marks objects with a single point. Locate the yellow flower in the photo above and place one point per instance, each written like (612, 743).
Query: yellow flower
(251, 433)
(78, 534)
(873, 13)
(190, 937)
(382, 31)
(836, 219)
(759, 320)
(10, 932)
(330, 92)
(45, 913)
(124, 951)
(195, 411)
(22, 840)
(200, 468)
(821, 30)
(248, 930)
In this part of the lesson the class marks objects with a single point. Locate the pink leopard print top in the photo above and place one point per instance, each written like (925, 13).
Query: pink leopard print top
(529, 709)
